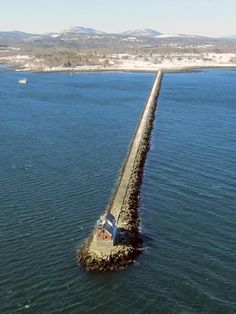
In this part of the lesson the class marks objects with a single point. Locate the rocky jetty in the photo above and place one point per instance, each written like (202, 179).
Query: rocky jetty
(128, 243)
(118, 258)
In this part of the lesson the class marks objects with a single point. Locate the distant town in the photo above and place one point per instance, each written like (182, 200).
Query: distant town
(86, 49)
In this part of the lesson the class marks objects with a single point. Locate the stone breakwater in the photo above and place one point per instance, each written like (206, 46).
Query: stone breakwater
(125, 201)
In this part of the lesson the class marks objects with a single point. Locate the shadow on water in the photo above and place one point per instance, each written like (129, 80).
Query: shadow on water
(128, 237)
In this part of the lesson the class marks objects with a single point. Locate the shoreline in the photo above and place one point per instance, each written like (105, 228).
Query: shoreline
(97, 69)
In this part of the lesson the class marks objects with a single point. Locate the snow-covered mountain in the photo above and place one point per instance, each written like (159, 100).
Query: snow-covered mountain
(178, 35)
(82, 30)
(141, 32)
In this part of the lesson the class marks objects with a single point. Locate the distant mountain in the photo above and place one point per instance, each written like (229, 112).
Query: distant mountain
(80, 30)
(229, 37)
(179, 36)
(141, 32)
(52, 35)
(83, 30)
(15, 36)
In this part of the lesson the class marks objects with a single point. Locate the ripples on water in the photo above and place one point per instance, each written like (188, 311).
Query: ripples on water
(63, 140)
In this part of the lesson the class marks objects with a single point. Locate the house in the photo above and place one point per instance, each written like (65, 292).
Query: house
(106, 228)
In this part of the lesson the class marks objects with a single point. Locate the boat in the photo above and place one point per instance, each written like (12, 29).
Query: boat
(23, 81)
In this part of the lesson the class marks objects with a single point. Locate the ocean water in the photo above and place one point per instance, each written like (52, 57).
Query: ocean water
(63, 139)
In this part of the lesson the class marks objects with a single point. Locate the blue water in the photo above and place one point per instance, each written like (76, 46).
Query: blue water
(63, 140)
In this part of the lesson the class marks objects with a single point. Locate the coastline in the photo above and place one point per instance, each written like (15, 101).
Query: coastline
(135, 69)
(130, 69)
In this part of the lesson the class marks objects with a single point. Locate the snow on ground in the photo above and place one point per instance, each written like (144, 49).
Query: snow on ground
(127, 62)
(168, 35)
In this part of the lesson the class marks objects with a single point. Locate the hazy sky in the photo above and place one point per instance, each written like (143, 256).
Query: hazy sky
(203, 17)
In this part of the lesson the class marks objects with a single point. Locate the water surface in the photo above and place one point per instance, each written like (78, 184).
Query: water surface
(63, 141)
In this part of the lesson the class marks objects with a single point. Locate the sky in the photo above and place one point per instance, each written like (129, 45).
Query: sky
(197, 17)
